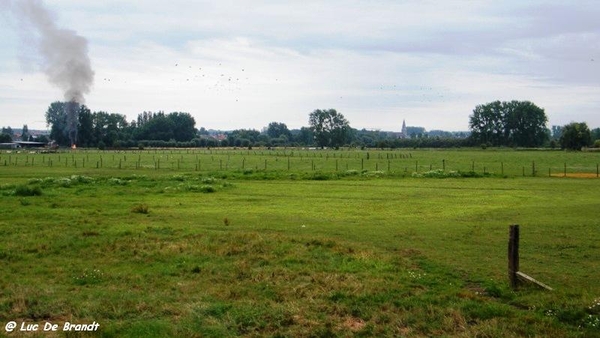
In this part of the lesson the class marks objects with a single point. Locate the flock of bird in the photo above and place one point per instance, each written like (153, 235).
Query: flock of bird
(220, 79)
(214, 79)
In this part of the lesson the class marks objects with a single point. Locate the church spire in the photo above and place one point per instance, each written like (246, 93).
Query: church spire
(403, 133)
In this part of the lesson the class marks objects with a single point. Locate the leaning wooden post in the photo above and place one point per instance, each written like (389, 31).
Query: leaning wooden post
(513, 255)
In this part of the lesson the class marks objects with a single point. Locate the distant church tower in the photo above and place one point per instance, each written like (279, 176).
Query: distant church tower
(403, 133)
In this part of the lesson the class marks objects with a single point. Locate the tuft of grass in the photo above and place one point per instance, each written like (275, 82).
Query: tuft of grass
(140, 209)
(90, 233)
(226, 221)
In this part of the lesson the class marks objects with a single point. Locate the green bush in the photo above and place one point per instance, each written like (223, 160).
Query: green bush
(117, 181)
(24, 190)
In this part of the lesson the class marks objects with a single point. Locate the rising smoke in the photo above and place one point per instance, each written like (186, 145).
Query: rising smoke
(64, 55)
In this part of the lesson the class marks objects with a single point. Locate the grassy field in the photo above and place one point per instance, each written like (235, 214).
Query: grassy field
(495, 162)
(209, 243)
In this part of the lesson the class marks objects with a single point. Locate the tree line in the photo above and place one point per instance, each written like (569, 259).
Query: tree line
(523, 124)
(504, 124)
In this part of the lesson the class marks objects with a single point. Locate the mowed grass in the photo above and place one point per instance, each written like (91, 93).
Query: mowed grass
(148, 252)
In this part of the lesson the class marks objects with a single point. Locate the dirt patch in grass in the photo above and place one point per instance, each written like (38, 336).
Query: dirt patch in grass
(354, 324)
(577, 175)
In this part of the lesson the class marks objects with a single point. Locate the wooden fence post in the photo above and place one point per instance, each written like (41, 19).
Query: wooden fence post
(513, 255)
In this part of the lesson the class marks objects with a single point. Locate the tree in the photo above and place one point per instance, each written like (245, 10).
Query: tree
(575, 136)
(176, 126)
(277, 129)
(56, 118)
(305, 136)
(43, 138)
(5, 138)
(514, 123)
(25, 133)
(330, 128)
(184, 126)
(108, 127)
(8, 131)
(236, 137)
(158, 127)
(595, 134)
(524, 124)
(85, 132)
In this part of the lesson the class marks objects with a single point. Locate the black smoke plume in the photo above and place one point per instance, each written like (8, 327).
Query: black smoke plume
(64, 54)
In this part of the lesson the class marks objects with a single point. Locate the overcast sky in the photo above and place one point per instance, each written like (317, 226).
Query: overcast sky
(244, 64)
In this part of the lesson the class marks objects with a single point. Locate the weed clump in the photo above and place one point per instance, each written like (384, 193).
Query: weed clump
(207, 188)
(117, 181)
(81, 179)
(89, 277)
(35, 181)
(208, 180)
(63, 182)
(179, 178)
(439, 173)
(226, 184)
(376, 173)
(7, 186)
(140, 209)
(24, 190)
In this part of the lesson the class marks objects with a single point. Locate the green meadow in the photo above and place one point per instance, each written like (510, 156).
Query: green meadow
(299, 243)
